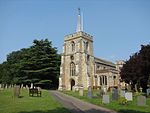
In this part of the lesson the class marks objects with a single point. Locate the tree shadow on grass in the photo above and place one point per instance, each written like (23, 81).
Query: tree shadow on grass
(131, 111)
(58, 110)
(63, 110)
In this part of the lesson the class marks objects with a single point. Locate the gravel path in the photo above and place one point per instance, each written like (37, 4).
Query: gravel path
(77, 106)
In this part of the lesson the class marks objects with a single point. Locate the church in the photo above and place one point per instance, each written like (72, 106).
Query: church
(80, 69)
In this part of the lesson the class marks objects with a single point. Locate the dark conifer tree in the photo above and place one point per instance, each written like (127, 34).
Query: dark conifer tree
(38, 64)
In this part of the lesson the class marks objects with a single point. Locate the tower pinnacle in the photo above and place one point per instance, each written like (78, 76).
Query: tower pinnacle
(79, 23)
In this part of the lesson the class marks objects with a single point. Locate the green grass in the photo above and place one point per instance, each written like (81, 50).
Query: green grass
(131, 106)
(26, 104)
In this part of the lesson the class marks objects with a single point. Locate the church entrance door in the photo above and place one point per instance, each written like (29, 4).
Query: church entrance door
(72, 83)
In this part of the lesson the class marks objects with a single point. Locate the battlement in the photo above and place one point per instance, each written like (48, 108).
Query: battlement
(78, 34)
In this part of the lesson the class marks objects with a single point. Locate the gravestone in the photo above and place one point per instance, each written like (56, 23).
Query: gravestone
(6, 86)
(129, 96)
(136, 89)
(105, 99)
(3, 86)
(0, 86)
(114, 94)
(105, 90)
(39, 89)
(89, 95)
(27, 87)
(148, 92)
(21, 86)
(122, 93)
(9, 86)
(81, 91)
(129, 87)
(141, 100)
(31, 86)
(16, 91)
(73, 88)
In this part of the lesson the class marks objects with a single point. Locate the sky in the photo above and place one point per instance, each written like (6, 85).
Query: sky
(118, 27)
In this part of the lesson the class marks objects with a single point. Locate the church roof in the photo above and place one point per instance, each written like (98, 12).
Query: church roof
(106, 71)
(104, 62)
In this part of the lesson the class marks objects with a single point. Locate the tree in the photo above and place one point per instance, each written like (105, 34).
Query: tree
(5, 74)
(38, 64)
(43, 63)
(137, 68)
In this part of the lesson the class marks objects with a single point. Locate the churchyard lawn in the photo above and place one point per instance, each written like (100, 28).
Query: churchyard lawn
(130, 107)
(26, 104)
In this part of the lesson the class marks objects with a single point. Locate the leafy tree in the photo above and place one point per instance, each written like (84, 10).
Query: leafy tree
(5, 76)
(137, 68)
(37, 64)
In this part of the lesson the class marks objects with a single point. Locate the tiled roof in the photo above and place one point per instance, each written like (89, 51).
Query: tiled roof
(106, 71)
(98, 60)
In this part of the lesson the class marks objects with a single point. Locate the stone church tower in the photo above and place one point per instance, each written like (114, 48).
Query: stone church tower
(77, 60)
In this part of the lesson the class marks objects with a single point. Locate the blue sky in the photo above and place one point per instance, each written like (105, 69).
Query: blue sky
(119, 27)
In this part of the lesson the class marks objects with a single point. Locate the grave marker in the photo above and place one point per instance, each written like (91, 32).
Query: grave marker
(27, 87)
(6, 86)
(105, 99)
(81, 91)
(129, 87)
(31, 85)
(122, 93)
(114, 94)
(73, 88)
(16, 91)
(141, 100)
(148, 92)
(21, 86)
(136, 89)
(89, 95)
(129, 96)
(105, 90)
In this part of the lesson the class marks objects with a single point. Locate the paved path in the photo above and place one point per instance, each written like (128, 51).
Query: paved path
(77, 106)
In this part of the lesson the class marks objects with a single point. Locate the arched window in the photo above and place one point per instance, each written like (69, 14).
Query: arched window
(86, 46)
(103, 80)
(72, 69)
(100, 80)
(72, 46)
(88, 59)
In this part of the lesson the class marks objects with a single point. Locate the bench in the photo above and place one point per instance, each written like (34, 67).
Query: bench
(96, 87)
(34, 92)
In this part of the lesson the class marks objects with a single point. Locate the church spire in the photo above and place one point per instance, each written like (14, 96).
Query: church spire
(79, 23)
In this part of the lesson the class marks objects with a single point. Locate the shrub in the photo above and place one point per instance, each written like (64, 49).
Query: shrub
(122, 101)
